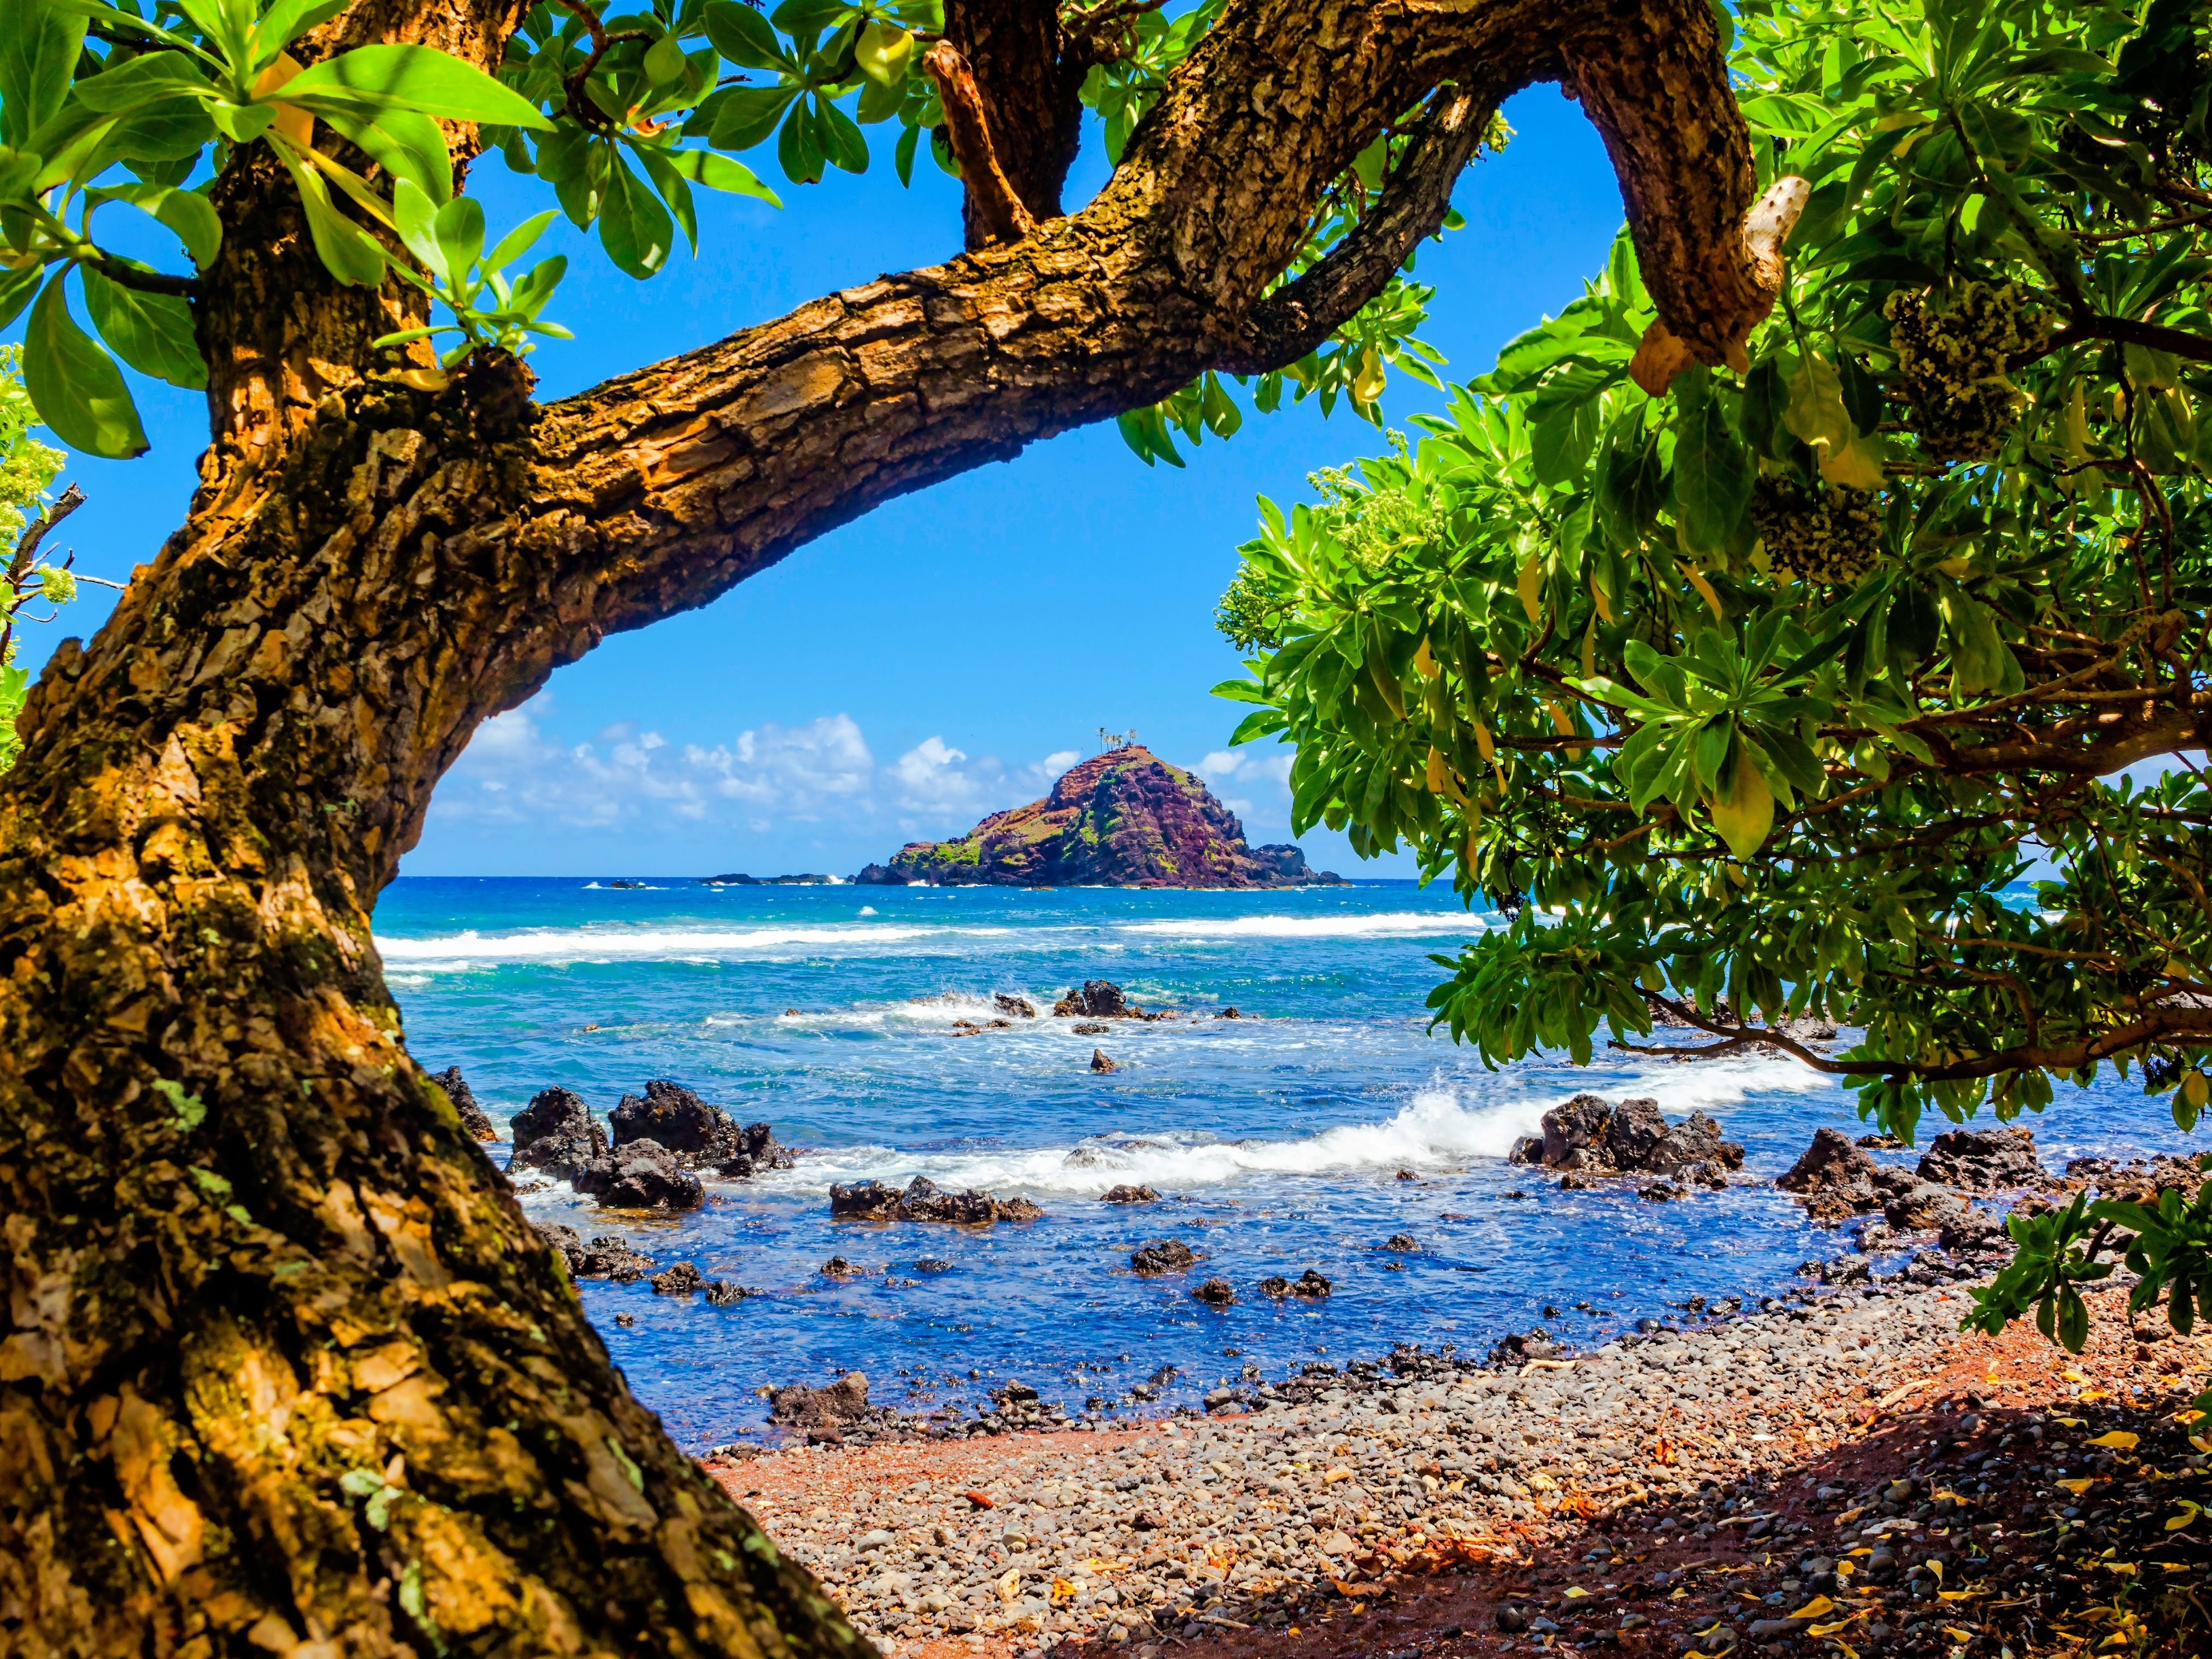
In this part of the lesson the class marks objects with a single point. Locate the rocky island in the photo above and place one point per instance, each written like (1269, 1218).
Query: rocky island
(1125, 819)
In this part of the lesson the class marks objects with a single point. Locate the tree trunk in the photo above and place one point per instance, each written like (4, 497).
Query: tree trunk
(284, 1369)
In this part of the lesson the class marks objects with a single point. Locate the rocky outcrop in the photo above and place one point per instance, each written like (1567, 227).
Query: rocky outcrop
(473, 1117)
(1983, 1160)
(1162, 1255)
(1125, 819)
(1127, 1194)
(1591, 1135)
(737, 878)
(921, 1200)
(603, 1258)
(1310, 1284)
(1215, 1293)
(1099, 1062)
(693, 1134)
(556, 1132)
(1095, 998)
(1837, 1179)
(845, 1401)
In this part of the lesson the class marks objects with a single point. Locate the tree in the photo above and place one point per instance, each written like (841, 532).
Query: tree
(285, 1370)
(1752, 691)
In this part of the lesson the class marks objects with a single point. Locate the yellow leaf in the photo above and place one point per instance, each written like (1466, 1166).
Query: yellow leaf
(2068, 1422)
(1484, 744)
(1955, 1596)
(2188, 1416)
(1697, 579)
(1937, 1567)
(2077, 1487)
(1573, 1590)
(1830, 1630)
(2190, 1511)
(1857, 464)
(1744, 816)
(1531, 586)
(1815, 1608)
(2092, 1394)
(2119, 1440)
(1425, 665)
(2073, 1375)
(1604, 604)
(1436, 779)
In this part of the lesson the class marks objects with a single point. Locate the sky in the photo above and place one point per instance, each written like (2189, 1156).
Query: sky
(950, 654)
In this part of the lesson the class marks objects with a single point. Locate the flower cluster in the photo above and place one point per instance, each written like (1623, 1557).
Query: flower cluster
(1954, 348)
(1827, 537)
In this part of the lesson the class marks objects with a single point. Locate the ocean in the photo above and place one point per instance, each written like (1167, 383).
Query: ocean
(1280, 1140)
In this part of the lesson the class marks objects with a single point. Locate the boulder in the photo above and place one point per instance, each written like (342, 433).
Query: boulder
(921, 1200)
(1095, 998)
(1402, 1243)
(879, 875)
(723, 1293)
(758, 1149)
(1921, 1206)
(1099, 1062)
(1162, 1255)
(1311, 1285)
(1589, 1135)
(642, 1174)
(1126, 1195)
(1983, 1160)
(472, 1117)
(604, 1257)
(1215, 1293)
(680, 1279)
(1837, 1179)
(556, 1132)
(843, 1401)
(691, 1130)
(1016, 1007)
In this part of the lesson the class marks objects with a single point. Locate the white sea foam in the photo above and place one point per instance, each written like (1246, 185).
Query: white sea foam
(1392, 924)
(471, 949)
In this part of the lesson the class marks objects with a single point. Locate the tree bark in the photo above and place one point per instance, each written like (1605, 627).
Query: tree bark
(285, 1370)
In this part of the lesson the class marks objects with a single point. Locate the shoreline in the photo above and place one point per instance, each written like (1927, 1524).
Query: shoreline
(1279, 1527)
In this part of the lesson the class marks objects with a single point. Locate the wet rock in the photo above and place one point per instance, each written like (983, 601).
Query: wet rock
(1837, 1179)
(1127, 1194)
(757, 1149)
(930, 1264)
(845, 1401)
(1014, 1006)
(1162, 1255)
(1310, 1284)
(640, 1176)
(1229, 1014)
(1401, 1242)
(921, 1200)
(1983, 1160)
(1100, 1063)
(1923, 1207)
(556, 1132)
(1590, 1135)
(687, 1128)
(473, 1117)
(680, 1279)
(1215, 1293)
(1529, 1149)
(1095, 998)
(837, 1267)
(722, 1292)
(879, 875)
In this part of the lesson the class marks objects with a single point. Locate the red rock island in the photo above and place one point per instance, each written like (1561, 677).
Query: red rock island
(1125, 819)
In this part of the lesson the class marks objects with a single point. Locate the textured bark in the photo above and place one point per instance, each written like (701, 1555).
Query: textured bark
(284, 1369)
(1027, 77)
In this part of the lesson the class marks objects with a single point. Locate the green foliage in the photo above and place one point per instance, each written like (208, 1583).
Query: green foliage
(27, 471)
(1769, 688)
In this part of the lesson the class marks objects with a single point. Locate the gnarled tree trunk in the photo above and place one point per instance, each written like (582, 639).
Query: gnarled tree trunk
(285, 1370)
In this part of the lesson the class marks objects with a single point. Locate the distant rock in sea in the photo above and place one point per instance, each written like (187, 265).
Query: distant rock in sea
(1125, 819)
(737, 879)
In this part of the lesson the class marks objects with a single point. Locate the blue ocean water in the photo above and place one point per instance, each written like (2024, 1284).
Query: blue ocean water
(1277, 1139)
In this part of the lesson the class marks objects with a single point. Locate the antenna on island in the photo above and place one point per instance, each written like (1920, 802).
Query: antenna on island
(1108, 740)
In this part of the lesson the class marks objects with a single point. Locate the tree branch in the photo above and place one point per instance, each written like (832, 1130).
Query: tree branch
(2179, 342)
(1297, 317)
(968, 129)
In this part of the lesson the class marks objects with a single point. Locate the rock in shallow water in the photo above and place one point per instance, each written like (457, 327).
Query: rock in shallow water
(472, 1117)
(1126, 1195)
(1162, 1255)
(921, 1200)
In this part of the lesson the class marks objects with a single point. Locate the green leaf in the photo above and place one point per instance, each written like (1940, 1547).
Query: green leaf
(418, 78)
(674, 189)
(703, 167)
(190, 215)
(17, 287)
(843, 142)
(749, 114)
(38, 48)
(74, 385)
(665, 64)
(743, 36)
(1712, 473)
(286, 22)
(405, 144)
(520, 240)
(798, 149)
(459, 228)
(152, 332)
(635, 229)
(347, 252)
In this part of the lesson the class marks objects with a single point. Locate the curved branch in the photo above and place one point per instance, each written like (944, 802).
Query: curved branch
(968, 130)
(1297, 317)
(2176, 341)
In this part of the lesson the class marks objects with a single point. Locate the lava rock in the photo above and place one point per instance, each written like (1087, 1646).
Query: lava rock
(604, 1257)
(1311, 1285)
(690, 1130)
(1401, 1242)
(879, 875)
(556, 1132)
(722, 1292)
(844, 1400)
(1215, 1293)
(680, 1279)
(1162, 1255)
(1983, 1160)
(1127, 1194)
(757, 1149)
(1099, 1062)
(1095, 998)
(1019, 1008)
(1587, 1133)
(640, 1176)
(1837, 1179)
(921, 1200)
(473, 1117)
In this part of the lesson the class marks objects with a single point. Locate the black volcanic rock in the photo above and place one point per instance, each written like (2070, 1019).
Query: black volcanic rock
(472, 1115)
(556, 1132)
(1125, 819)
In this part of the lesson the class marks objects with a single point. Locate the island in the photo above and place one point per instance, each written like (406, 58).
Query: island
(1123, 818)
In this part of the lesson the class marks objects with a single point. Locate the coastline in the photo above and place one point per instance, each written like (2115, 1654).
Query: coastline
(1452, 1490)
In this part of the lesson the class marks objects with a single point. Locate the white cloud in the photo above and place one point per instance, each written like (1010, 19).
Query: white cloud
(515, 772)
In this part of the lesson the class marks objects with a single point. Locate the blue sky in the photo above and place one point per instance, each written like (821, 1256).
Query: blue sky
(948, 654)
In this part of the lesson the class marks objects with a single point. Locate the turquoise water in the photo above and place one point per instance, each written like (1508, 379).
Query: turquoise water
(1277, 1141)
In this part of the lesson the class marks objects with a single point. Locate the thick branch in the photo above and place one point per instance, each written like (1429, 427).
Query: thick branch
(1028, 79)
(2178, 342)
(1297, 317)
(991, 194)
